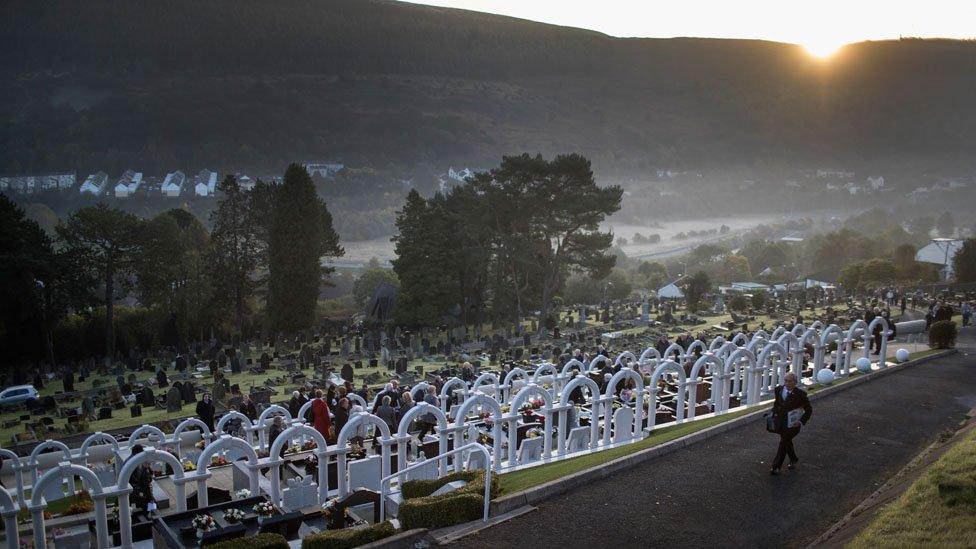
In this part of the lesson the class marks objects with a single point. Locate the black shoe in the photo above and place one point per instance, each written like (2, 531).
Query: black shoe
(774, 471)
(792, 464)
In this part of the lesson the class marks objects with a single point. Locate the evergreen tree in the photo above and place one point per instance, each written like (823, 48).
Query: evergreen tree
(964, 261)
(419, 265)
(698, 286)
(106, 241)
(234, 250)
(301, 235)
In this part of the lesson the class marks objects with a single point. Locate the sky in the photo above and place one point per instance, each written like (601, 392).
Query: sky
(820, 25)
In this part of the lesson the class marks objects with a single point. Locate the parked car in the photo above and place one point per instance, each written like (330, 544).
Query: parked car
(17, 395)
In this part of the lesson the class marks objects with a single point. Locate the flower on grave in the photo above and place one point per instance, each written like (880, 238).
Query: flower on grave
(506, 408)
(217, 461)
(243, 494)
(312, 461)
(189, 465)
(329, 506)
(293, 449)
(234, 515)
(201, 444)
(309, 445)
(264, 509)
(546, 386)
(204, 523)
(525, 407)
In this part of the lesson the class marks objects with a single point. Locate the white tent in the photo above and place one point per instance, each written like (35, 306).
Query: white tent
(940, 252)
(671, 291)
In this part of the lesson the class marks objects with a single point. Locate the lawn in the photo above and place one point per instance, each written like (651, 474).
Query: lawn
(938, 509)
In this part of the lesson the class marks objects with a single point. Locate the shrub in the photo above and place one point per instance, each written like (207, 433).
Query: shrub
(260, 541)
(348, 537)
(421, 510)
(738, 303)
(942, 335)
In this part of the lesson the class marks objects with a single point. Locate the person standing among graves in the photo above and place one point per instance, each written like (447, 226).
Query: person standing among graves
(406, 403)
(248, 408)
(295, 403)
(786, 415)
(320, 415)
(141, 482)
(341, 412)
(967, 312)
(385, 411)
(429, 419)
(206, 411)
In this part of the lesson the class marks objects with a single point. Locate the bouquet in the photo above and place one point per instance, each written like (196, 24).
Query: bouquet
(234, 515)
(204, 523)
(309, 445)
(243, 494)
(328, 507)
(264, 509)
(189, 466)
(201, 444)
(217, 461)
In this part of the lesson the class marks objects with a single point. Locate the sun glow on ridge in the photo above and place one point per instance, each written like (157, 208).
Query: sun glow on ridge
(822, 47)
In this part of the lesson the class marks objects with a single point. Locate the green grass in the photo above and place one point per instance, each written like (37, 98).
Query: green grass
(534, 476)
(923, 517)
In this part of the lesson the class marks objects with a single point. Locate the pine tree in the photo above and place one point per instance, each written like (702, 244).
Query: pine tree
(301, 235)
(423, 297)
(234, 250)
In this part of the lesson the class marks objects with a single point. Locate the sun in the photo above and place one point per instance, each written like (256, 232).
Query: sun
(822, 47)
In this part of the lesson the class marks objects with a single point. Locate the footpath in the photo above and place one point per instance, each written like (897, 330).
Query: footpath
(719, 493)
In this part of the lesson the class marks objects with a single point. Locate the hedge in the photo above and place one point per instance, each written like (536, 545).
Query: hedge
(942, 335)
(259, 541)
(348, 537)
(421, 510)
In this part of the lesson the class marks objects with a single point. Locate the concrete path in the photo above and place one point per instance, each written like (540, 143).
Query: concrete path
(718, 493)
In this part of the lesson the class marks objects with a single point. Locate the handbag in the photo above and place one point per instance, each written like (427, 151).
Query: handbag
(770, 422)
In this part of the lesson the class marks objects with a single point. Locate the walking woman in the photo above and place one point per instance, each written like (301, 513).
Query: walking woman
(791, 409)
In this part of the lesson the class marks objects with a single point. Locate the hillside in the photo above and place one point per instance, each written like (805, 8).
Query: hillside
(247, 84)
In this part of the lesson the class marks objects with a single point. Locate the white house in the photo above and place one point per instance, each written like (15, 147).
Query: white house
(323, 169)
(671, 291)
(95, 184)
(245, 182)
(128, 184)
(173, 184)
(205, 183)
(940, 252)
(460, 175)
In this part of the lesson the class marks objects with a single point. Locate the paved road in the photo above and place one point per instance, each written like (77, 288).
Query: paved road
(718, 493)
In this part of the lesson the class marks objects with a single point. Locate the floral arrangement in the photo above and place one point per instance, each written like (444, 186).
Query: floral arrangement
(293, 449)
(311, 461)
(189, 465)
(218, 461)
(309, 445)
(80, 507)
(264, 509)
(201, 444)
(537, 403)
(533, 433)
(243, 494)
(234, 515)
(506, 408)
(328, 508)
(114, 513)
(204, 523)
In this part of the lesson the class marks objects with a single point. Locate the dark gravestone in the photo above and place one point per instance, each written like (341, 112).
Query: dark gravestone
(146, 397)
(174, 400)
(347, 372)
(105, 413)
(189, 393)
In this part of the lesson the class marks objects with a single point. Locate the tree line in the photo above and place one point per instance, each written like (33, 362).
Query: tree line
(260, 268)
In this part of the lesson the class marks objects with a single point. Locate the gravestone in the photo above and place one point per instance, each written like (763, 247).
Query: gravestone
(300, 493)
(623, 425)
(530, 450)
(579, 439)
(146, 397)
(189, 393)
(366, 473)
(220, 397)
(174, 400)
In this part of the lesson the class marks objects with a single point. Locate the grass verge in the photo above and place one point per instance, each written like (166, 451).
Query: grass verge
(938, 509)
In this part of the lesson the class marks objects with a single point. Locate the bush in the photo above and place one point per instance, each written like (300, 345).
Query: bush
(421, 510)
(260, 541)
(738, 302)
(348, 537)
(942, 335)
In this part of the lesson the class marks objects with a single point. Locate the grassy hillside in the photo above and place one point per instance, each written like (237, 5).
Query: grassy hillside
(247, 84)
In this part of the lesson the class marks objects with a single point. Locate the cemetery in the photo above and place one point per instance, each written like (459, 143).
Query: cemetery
(236, 480)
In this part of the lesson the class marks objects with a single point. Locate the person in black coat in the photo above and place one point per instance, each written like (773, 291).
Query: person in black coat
(789, 398)
(205, 411)
(141, 482)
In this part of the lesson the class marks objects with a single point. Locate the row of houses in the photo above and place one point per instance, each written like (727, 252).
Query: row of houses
(174, 184)
(30, 184)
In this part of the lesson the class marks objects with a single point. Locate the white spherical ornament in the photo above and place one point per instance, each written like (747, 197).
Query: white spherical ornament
(863, 365)
(902, 355)
(825, 376)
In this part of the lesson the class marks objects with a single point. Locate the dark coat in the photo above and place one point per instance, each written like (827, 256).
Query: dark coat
(797, 399)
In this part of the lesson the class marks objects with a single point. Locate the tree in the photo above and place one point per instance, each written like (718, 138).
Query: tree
(106, 241)
(735, 267)
(369, 280)
(564, 207)
(850, 277)
(921, 226)
(301, 236)
(419, 265)
(964, 261)
(946, 225)
(876, 272)
(903, 259)
(696, 290)
(235, 249)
